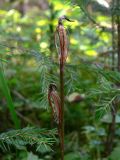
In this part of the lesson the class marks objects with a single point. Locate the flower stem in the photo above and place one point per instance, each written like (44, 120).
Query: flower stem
(62, 110)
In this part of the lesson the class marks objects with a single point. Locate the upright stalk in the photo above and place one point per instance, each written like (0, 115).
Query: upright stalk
(62, 44)
(51, 29)
(62, 110)
(118, 32)
(111, 130)
(113, 35)
(112, 125)
(53, 96)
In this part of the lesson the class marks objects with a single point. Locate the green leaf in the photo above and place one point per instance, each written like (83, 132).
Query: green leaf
(31, 156)
(3, 60)
(6, 92)
(72, 156)
(108, 118)
(115, 155)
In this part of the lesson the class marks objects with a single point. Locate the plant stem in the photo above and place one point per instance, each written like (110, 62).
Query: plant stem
(113, 42)
(111, 131)
(118, 31)
(51, 29)
(62, 110)
(63, 44)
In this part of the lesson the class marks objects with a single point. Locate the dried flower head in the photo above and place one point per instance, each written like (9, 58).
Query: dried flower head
(61, 39)
(54, 102)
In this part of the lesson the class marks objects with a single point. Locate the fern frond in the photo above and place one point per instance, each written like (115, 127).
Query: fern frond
(37, 137)
(106, 93)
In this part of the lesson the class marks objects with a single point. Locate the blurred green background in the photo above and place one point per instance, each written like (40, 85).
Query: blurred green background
(29, 63)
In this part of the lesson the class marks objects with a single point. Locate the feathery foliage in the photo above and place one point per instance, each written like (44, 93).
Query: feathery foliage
(42, 139)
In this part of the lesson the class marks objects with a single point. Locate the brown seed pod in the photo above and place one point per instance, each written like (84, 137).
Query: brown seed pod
(54, 102)
(61, 40)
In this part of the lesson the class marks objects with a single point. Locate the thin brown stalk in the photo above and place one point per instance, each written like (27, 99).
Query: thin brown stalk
(111, 128)
(62, 109)
(62, 47)
(118, 31)
(111, 131)
(113, 42)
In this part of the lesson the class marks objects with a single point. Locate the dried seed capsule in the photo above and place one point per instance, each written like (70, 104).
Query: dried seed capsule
(61, 40)
(63, 51)
(54, 102)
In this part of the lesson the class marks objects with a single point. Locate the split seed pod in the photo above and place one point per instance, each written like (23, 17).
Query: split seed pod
(54, 102)
(61, 40)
